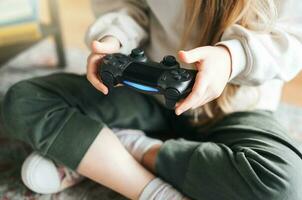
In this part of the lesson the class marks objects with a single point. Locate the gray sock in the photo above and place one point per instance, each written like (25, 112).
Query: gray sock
(159, 190)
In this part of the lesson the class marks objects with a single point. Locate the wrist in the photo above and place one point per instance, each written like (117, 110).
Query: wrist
(150, 156)
(240, 61)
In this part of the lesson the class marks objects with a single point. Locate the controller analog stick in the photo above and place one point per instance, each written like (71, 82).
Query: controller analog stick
(138, 54)
(172, 93)
(169, 61)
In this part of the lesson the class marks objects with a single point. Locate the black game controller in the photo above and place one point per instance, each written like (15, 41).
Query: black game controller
(135, 71)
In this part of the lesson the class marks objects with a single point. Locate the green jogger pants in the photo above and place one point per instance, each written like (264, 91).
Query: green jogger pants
(244, 156)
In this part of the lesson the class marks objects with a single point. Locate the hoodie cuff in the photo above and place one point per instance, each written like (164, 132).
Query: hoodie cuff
(120, 25)
(238, 56)
(118, 34)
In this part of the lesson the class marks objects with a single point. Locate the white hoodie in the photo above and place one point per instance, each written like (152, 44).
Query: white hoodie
(260, 61)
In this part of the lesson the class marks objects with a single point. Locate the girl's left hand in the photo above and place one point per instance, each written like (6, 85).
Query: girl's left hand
(214, 68)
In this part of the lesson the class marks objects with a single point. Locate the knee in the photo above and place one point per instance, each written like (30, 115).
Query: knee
(284, 184)
(17, 106)
(292, 180)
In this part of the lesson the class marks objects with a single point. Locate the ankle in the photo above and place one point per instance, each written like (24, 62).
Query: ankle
(149, 158)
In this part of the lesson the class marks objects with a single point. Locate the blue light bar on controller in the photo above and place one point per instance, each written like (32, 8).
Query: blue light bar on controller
(140, 87)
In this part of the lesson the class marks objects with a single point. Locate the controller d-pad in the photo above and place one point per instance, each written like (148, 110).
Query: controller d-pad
(121, 63)
(123, 60)
(119, 56)
(114, 62)
(174, 72)
(109, 57)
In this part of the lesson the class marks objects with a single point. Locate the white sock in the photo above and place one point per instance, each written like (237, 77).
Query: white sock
(159, 190)
(136, 142)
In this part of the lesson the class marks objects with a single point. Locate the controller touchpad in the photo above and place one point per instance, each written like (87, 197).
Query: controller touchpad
(143, 74)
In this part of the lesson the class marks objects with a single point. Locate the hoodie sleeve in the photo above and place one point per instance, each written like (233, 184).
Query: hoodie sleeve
(258, 57)
(127, 20)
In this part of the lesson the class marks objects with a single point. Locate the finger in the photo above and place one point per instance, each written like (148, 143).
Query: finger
(193, 55)
(105, 47)
(197, 94)
(188, 103)
(92, 72)
(179, 102)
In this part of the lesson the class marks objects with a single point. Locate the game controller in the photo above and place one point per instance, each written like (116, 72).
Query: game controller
(137, 72)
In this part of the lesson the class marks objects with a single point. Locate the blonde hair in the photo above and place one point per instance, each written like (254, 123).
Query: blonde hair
(212, 18)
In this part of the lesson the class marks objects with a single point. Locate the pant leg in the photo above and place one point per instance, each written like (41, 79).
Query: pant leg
(60, 115)
(246, 156)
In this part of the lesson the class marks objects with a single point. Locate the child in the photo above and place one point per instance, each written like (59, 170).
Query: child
(233, 148)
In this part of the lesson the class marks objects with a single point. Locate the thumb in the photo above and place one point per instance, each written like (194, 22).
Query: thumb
(105, 47)
(194, 55)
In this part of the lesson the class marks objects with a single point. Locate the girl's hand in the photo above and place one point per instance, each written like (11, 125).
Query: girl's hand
(214, 69)
(100, 48)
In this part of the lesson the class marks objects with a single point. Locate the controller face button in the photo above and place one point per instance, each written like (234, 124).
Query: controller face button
(169, 61)
(120, 65)
(174, 72)
(186, 75)
(164, 77)
(177, 77)
(182, 71)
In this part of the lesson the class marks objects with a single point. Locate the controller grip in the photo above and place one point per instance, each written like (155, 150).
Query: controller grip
(171, 96)
(108, 79)
(170, 103)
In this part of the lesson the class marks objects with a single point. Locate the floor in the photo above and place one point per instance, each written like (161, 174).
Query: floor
(76, 17)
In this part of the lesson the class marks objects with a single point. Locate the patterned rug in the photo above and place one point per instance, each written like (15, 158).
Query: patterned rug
(12, 153)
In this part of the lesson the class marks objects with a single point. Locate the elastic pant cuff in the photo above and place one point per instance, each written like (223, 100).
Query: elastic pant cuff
(72, 143)
(173, 160)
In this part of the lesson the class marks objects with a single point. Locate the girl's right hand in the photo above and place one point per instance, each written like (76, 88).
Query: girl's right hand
(107, 45)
